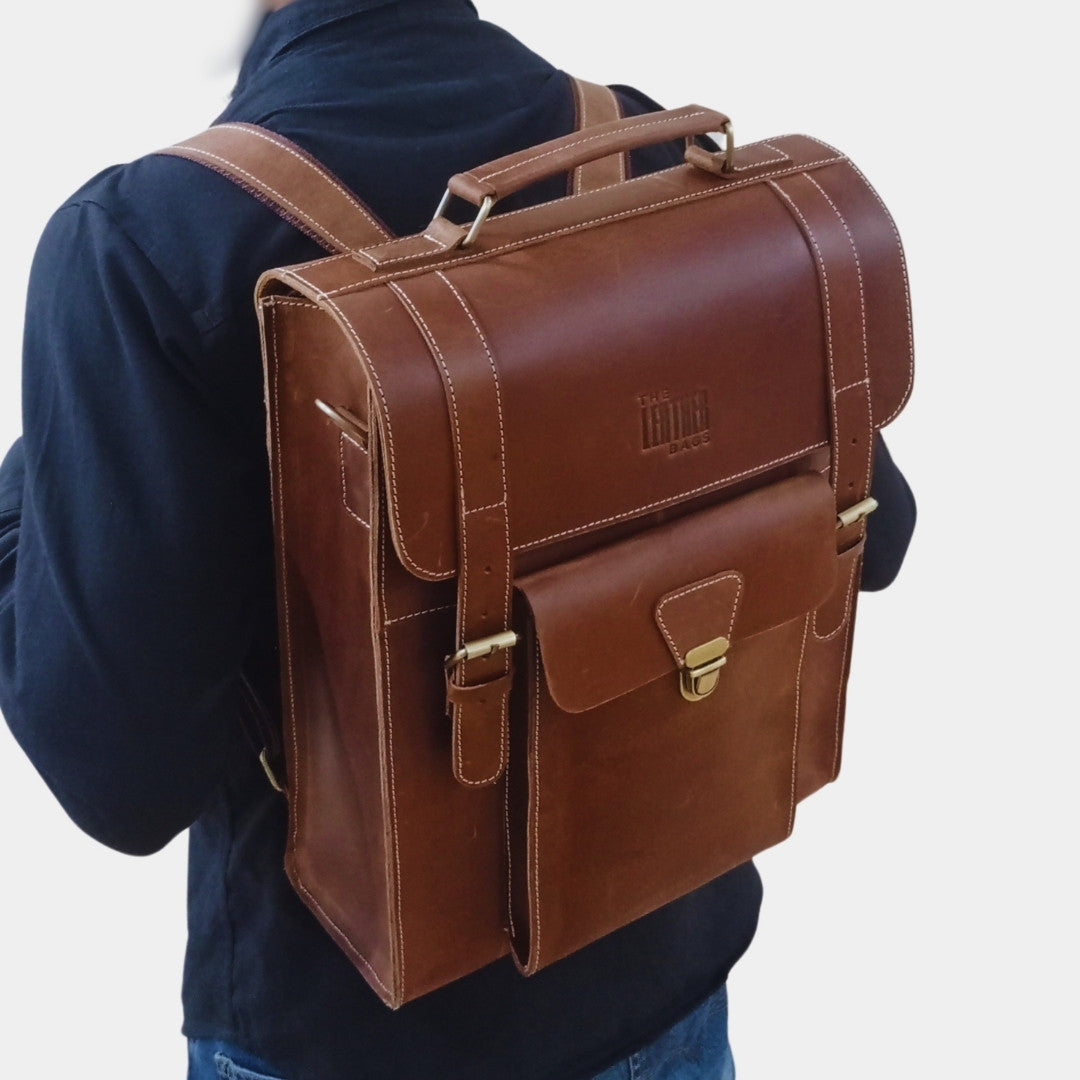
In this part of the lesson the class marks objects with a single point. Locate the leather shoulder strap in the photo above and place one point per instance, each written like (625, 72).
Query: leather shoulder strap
(286, 178)
(595, 104)
(289, 180)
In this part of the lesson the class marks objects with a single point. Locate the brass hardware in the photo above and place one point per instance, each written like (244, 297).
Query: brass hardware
(729, 149)
(478, 221)
(264, 761)
(701, 673)
(485, 646)
(856, 513)
(345, 420)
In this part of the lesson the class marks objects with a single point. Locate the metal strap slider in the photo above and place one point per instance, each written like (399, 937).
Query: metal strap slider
(485, 646)
(856, 513)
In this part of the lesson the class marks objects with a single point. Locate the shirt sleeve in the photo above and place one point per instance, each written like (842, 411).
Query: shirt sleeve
(890, 527)
(129, 526)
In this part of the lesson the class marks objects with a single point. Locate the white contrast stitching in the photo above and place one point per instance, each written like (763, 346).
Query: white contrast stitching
(321, 172)
(284, 200)
(509, 858)
(866, 353)
(285, 301)
(419, 254)
(345, 937)
(392, 787)
(578, 226)
(503, 215)
(370, 370)
(327, 296)
(582, 106)
(463, 600)
(503, 718)
(416, 614)
(714, 580)
(903, 275)
(344, 488)
(490, 506)
(839, 703)
(851, 386)
(488, 177)
(624, 155)
(295, 784)
(464, 560)
(858, 275)
(534, 814)
(795, 737)
(835, 470)
(290, 675)
(847, 607)
(781, 156)
(673, 498)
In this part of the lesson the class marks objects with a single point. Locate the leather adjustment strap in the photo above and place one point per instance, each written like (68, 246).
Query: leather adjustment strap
(478, 685)
(836, 258)
(289, 180)
(595, 104)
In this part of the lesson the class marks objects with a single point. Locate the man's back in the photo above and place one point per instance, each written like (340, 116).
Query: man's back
(145, 571)
(142, 348)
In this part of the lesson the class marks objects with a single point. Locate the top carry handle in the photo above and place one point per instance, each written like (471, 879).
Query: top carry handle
(486, 185)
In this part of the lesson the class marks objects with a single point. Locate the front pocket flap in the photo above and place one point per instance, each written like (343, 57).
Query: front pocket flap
(710, 606)
(733, 570)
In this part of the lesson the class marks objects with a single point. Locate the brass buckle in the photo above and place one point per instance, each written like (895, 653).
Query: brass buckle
(701, 672)
(485, 646)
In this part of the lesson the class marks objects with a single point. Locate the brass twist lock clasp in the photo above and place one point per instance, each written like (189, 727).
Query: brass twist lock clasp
(701, 672)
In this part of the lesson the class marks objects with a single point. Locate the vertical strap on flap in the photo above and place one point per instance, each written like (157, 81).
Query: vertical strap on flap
(478, 688)
(289, 180)
(595, 104)
(836, 257)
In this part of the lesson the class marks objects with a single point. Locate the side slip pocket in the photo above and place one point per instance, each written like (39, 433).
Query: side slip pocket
(654, 734)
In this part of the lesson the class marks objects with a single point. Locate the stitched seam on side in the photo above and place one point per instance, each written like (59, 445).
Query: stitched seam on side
(369, 369)
(399, 884)
(343, 438)
(839, 704)
(295, 782)
(795, 737)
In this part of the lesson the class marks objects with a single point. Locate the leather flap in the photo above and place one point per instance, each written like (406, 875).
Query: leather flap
(649, 344)
(613, 620)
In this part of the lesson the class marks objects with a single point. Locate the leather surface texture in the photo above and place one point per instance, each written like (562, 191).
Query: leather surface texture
(622, 425)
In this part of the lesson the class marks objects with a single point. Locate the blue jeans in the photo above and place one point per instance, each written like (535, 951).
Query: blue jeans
(696, 1048)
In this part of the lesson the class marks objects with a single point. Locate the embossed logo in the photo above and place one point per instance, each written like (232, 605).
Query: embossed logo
(676, 421)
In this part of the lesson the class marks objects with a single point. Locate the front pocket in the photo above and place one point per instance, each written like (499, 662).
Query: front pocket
(227, 1069)
(644, 765)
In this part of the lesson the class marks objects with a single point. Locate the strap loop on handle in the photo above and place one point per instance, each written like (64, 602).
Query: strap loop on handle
(485, 185)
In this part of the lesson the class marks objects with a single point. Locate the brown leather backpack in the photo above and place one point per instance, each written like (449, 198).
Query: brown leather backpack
(569, 510)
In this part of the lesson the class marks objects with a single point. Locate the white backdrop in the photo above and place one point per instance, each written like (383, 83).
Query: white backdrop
(921, 920)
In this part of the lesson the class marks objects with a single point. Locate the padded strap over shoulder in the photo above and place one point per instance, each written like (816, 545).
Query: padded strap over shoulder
(288, 179)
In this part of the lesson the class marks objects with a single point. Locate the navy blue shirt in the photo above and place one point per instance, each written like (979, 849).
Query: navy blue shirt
(136, 577)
